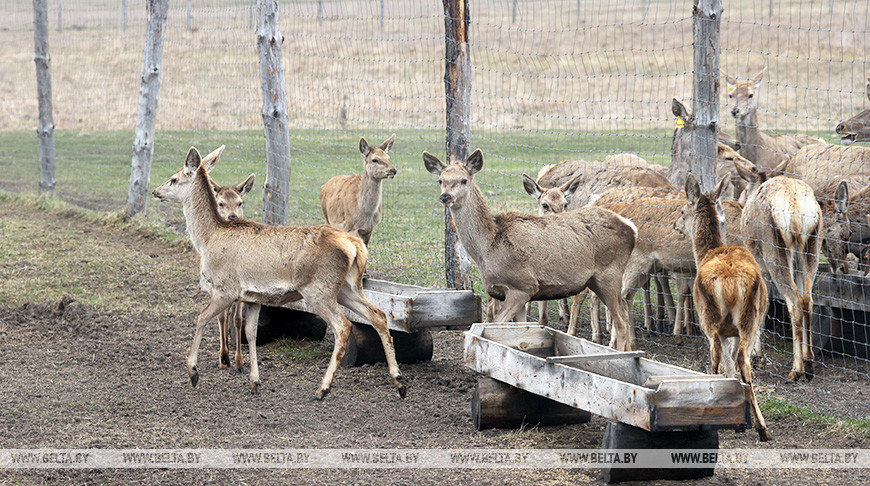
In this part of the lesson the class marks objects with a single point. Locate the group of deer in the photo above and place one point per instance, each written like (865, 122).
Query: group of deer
(244, 264)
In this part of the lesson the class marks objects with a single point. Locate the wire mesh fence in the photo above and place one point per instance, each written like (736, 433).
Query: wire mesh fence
(551, 80)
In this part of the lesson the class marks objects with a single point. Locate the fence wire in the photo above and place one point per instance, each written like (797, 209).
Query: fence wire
(552, 80)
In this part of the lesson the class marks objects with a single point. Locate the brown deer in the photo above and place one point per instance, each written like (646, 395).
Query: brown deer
(514, 252)
(230, 206)
(354, 203)
(783, 226)
(241, 260)
(729, 291)
(857, 128)
(763, 149)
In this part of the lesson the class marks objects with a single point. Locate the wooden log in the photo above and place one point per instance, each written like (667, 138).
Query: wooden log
(496, 405)
(279, 322)
(622, 436)
(45, 130)
(365, 347)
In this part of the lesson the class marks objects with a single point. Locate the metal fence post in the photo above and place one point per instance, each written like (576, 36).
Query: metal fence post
(149, 88)
(45, 130)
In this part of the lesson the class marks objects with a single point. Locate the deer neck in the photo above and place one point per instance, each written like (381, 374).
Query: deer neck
(750, 137)
(475, 225)
(200, 211)
(370, 195)
(708, 233)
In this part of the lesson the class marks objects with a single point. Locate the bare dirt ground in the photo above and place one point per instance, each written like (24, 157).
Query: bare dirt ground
(75, 375)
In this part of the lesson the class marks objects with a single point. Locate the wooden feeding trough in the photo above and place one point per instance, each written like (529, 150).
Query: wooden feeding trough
(654, 404)
(411, 311)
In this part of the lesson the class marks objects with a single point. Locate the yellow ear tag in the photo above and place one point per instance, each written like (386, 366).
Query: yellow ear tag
(680, 122)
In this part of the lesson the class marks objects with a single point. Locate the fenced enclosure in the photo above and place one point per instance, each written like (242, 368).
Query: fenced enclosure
(550, 80)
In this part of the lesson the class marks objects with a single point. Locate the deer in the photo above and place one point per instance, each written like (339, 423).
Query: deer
(230, 206)
(354, 203)
(729, 290)
(763, 149)
(258, 264)
(857, 128)
(514, 252)
(783, 226)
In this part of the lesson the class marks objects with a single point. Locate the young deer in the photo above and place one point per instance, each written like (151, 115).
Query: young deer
(273, 265)
(730, 294)
(783, 226)
(514, 252)
(230, 206)
(354, 203)
(765, 150)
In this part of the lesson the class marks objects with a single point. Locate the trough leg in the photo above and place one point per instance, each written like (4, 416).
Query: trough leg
(498, 405)
(622, 436)
(364, 346)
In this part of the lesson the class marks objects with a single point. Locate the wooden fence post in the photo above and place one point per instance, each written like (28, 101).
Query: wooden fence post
(269, 41)
(705, 106)
(60, 15)
(149, 89)
(124, 15)
(45, 130)
(457, 84)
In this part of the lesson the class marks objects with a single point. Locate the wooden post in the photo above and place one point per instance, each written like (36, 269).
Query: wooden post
(189, 8)
(269, 41)
(60, 15)
(149, 88)
(45, 130)
(514, 12)
(124, 15)
(319, 12)
(705, 106)
(457, 83)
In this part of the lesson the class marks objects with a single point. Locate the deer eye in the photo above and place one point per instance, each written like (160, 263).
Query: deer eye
(439, 181)
(565, 206)
(221, 204)
(173, 180)
(546, 206)
(464, 181)
(750, 95)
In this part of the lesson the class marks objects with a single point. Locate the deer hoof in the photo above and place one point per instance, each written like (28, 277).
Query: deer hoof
(225, 361)
(794, 375)
(763, 435)
(240, 369)
(402, 386)
(194, 376)
(808, 370)
(320, 395)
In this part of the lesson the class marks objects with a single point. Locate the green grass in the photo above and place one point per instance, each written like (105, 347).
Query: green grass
(774, 408)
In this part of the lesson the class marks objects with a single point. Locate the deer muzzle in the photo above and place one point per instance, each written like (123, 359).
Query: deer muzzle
(446, 199)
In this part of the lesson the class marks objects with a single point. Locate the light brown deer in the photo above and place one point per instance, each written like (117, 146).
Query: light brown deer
(783, 226)
(818, 164)
(273, 265)
(763, 149)
(230, 204)
(857, 128)
(354, 203)
(729, 291)
(514, 252)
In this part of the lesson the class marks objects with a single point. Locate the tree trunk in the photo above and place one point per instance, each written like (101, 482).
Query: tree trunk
(149, 89)
(269, 41)
(457, 84)
(45, 130)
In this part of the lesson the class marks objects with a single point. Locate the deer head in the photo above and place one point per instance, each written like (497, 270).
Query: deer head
(553, 200)
(755, 177)
(455, 179)
(177, 188)
(229, 199)
(743, 94)
(857, 128)
(837, 230)
(377, 158)
(687, 222)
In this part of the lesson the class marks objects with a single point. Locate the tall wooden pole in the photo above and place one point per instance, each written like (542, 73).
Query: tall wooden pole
(269, 41)
(45, 130)
(457, 84)
(149, 89)
(706, 19)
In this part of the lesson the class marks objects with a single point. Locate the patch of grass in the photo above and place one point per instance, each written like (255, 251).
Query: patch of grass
(774, 408)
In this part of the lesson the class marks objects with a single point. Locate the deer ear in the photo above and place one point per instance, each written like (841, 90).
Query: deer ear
(730, 83)
(716, 193)
(693, 189)
(211, 159)
(531, 186)
(867, 89)
(245, 187)
(678, 108)
(192, 162)
(748, 175)
(570, 187)
(474, 162)
(433, 164)
(364, 146)
(388, 143)
(842, 200)
(758, 77)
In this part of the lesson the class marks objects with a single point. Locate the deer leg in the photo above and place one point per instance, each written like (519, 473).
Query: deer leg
(514, 302)
(252, 321)
(595, 317)
(575, 314)
(224, 329)
(564, 312)
(543, 319)
(807, 266)
(609, 290)
(745, 367)
(239, 321)
(647, 308)
(216, 305)
(353, 299)
(327, 309)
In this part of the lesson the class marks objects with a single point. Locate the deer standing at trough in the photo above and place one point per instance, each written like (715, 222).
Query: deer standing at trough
(729, 291)
(765, 150)
(230, 206)
(242, 260)
(514, 252)
(354, 203)
(783, 226)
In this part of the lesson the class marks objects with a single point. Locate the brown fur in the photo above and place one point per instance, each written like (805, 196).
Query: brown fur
(857, 128)
(765, 150)
(354, 203)
(818, 164)
(273, 265)
(833, 199)
(730, 293)
(514, 252)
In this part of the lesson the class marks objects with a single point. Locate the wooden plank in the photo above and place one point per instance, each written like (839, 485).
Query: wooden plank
(520, 336)
(716, 402)
(576, 358)
(655, 381)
